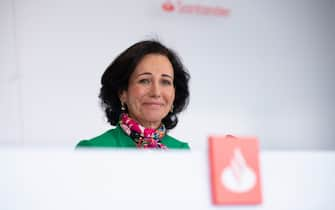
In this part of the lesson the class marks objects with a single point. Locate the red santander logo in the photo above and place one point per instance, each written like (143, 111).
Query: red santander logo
(168, 6)
(195, 9)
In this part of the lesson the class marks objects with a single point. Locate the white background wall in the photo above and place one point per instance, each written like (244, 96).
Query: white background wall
(10, 78)
(266, 70)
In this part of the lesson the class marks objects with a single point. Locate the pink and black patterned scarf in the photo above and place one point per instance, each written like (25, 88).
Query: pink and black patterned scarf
(143, 137)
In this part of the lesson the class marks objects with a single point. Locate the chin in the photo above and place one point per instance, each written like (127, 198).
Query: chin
(154, 118)
(151, 119)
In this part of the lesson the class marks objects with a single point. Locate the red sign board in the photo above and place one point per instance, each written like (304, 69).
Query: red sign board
(234, 167)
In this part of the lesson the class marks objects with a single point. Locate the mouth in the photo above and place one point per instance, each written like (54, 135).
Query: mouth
(153, 104)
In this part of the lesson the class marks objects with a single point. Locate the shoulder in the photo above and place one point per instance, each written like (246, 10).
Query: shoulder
(174, 143)
(105, 139)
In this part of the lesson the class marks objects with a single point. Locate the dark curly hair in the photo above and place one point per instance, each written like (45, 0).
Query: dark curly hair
(116, 77)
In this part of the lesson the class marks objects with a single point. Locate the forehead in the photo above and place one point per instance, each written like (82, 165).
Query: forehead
(154, 64)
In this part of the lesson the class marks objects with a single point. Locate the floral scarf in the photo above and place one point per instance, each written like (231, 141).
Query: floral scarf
(143, 137)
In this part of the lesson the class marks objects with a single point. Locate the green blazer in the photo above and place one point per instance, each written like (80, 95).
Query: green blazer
(116, 138)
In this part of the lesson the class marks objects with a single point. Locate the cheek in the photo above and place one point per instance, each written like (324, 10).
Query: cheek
(171, 97)
(135, 93)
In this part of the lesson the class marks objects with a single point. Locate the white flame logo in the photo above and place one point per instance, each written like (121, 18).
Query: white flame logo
(238, 177)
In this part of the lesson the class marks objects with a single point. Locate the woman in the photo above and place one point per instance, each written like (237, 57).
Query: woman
(142, 92)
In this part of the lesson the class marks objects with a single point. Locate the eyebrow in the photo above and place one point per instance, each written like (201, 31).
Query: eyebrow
(148, 73)
(167, 75)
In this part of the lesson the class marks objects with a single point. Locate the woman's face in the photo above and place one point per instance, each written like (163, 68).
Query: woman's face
(150, 93)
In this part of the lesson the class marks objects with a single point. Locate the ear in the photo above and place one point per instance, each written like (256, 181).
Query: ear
(123, 96)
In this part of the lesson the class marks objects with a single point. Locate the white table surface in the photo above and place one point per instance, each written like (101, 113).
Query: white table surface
(43, 178)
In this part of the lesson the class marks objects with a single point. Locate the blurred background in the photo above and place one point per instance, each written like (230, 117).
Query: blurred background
(264, 68)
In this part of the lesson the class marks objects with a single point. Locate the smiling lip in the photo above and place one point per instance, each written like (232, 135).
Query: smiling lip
(153, 104)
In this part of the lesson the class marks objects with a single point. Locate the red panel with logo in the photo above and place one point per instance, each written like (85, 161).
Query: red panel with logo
(234, 167)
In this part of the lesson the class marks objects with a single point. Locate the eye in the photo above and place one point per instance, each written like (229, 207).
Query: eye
(166, 82)
(144, 81)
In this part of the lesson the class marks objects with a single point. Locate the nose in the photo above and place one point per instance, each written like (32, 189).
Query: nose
(155, 90)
